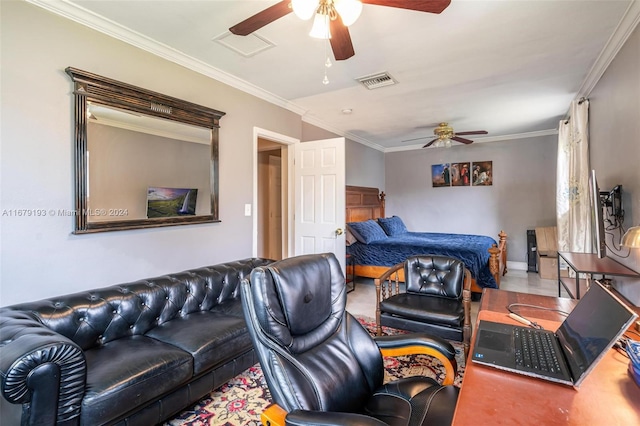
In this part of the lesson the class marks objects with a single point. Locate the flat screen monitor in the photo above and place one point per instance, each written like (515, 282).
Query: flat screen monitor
(597, 216)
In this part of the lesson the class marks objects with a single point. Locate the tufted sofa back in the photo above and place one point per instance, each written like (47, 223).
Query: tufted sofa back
(95, 317)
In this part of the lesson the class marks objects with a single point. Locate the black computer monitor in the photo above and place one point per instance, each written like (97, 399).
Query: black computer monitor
(597, 216)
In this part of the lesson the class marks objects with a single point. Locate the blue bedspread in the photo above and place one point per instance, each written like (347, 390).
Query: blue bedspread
(472, 250)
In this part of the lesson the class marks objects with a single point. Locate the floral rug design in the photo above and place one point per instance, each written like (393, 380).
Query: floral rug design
(240, 401)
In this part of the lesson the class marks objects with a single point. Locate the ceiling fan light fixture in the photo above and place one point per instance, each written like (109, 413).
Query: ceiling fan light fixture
(349, 10)
(304, 9)
(442, 143)
(321, 27)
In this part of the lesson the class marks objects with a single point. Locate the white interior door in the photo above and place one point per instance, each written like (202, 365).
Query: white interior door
(319, 176)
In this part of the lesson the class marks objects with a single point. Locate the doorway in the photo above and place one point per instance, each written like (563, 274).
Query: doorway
(309, 213)
(272, 194)
(271, 199)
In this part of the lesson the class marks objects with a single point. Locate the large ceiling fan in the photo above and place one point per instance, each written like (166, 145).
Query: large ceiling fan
(332, 17)
(445, 134)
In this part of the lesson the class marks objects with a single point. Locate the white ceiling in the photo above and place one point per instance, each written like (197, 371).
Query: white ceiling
(510, 67)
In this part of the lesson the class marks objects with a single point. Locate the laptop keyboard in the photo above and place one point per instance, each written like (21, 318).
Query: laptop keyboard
(534, 349)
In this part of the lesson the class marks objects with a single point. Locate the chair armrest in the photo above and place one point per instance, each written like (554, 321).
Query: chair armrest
(274, 415)
(387, 284)
(389, 272)
(420, 343)
(41, 369)
(330, 418)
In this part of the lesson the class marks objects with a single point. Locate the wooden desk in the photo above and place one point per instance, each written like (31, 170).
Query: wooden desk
(608, 396)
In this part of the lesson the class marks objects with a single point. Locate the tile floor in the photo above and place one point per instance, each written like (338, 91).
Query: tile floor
(362, 300)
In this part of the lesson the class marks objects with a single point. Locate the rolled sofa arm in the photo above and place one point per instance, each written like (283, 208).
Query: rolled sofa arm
(40, 369)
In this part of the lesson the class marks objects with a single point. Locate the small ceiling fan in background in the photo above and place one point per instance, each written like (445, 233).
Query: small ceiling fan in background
(332, 17)
(445, 134)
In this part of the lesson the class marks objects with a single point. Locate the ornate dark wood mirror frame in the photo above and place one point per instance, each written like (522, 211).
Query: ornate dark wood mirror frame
(92, 89)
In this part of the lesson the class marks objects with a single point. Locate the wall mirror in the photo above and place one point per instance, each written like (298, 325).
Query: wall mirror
(142, 159)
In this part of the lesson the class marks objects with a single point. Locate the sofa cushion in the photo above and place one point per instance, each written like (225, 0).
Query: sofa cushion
(210, 337)
(231, 307)
(432, 309)
(126, 373)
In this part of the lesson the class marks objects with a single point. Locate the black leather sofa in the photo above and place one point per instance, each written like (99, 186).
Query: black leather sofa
(129, 354)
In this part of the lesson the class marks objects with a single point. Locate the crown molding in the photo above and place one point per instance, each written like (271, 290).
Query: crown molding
(106, 26)
(537, 134)
(316, 122)
(112, 29)
(619, 37)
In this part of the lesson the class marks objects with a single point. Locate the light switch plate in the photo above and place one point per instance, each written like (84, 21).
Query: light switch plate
(247, 209)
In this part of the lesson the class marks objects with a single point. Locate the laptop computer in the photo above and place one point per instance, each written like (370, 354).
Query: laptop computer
(583, 338)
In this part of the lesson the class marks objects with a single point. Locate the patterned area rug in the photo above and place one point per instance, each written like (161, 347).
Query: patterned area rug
(241, 400)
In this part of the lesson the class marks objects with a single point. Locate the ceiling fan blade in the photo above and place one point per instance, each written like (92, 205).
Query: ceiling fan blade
(341, 40)
(431, 6)
(263, 18)
(463, 140)
(430, 143)
(473, 132)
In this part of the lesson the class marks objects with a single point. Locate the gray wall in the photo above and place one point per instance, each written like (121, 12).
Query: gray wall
(614, 112)
(366, 166)
(311, 132)
(522, 195)
(40, 256)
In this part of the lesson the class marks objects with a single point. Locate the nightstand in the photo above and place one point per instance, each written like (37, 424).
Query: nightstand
(350, 277)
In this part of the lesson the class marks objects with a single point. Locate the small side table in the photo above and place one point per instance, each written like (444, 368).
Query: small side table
(590, 264)
(350, 277)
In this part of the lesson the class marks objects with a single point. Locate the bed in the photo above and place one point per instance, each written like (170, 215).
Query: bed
(483, 256)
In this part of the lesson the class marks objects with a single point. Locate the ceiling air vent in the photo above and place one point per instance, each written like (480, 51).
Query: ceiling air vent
(376, 81)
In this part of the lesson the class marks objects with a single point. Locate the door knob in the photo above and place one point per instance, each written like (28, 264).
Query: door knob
(339, 231)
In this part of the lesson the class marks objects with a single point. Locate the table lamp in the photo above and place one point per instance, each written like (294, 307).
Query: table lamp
(631, 238)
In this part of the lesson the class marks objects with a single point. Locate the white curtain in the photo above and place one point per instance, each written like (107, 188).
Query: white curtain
(572, 182)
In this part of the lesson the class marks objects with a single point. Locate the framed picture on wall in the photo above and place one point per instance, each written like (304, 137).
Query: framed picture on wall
(482, 173)
(460, 174)
(440, 175)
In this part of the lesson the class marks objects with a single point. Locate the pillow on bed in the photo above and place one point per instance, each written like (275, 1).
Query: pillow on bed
(367, 232)
(350, 239)
(392, 225)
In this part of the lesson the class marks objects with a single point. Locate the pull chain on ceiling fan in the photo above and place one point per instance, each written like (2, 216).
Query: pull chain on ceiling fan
(332, 18)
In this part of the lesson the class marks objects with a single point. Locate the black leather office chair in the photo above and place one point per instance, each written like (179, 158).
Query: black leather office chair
(436, 298)
(322, 367)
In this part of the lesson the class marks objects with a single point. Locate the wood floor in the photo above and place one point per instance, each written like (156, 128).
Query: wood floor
(362, 300)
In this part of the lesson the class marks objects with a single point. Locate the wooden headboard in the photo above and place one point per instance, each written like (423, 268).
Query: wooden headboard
(364, 203)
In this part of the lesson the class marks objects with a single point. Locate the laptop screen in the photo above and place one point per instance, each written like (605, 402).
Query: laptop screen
(591, 328)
